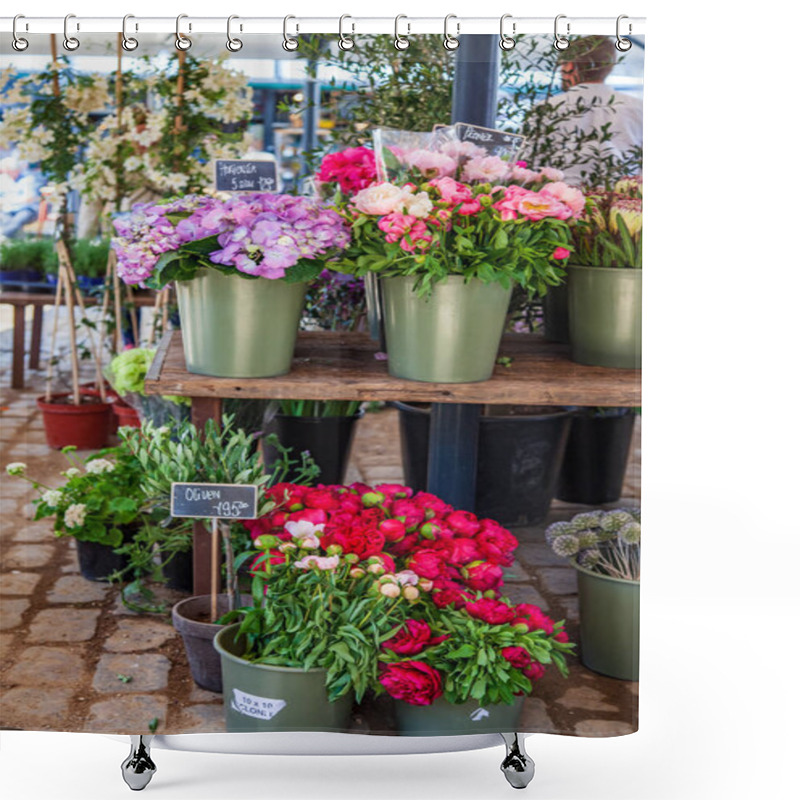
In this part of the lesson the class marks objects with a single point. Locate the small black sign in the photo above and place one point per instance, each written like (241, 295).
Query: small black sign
(497, 143)
(245, 176)
(221, 500)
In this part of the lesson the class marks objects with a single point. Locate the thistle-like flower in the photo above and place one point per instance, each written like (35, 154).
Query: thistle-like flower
(566, 545)
(557, 529)
(612, 521)
(588, 539)
(590, 558)
(586, 520)
(630, 533)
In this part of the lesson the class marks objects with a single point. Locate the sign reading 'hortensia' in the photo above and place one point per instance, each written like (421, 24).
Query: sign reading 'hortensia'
(245, 176)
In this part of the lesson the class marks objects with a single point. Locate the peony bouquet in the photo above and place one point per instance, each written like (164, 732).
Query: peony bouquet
(269, 236)
(425, 580)
(609, 232)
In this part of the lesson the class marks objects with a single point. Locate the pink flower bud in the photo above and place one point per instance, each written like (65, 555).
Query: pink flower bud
(334, 550)
(352, 558)
(425, 584)
(371, 499)
(410, 592)
(390, 590)
(376, 569)
(387, 579)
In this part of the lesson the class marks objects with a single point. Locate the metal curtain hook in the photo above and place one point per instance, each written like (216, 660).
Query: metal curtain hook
(560, 43)
(401, 42)
(128, 42)
(182, 42)
(346, 42)
(623, 44)
(18, 43)
(507, 42)
(234, 45)
(71, 43)
(451, 42)
(289, 43)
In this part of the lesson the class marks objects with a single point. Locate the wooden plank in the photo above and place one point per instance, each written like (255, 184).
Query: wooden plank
(31, 299)
(18, 357)
(158, 359)
(36, 337)
(343, 366)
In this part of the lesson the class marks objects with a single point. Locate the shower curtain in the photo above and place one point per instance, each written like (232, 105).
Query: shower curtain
(397, 607)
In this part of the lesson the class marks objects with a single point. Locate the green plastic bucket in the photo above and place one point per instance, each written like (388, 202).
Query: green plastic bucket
(605, 316)
(263, 698)
(451, 336)
(448, 719)
(609, 624)
(238, 328)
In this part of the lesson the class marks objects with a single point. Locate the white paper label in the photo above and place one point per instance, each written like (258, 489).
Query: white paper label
(251, 705)
(478, 714)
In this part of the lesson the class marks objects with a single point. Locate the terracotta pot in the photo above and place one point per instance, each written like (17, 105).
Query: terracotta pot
(86, 426)
(125, 415)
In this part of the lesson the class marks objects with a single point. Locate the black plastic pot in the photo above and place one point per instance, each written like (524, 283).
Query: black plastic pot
(98, 561)
(596, 457)
(556, 314)
(179, 571)
(327, 439)
(519, 459)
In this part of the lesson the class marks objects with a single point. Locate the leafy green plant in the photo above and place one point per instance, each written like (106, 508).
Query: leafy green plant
(128, 370)
(90, 257)
(38, 254)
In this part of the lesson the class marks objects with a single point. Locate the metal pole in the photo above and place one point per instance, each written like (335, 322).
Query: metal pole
(453, 443)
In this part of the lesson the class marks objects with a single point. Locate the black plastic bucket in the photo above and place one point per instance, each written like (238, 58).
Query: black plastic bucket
(179, 571)
(556, 314)
(519, 459)
(98, 561)
(596, 457)
(327, 439)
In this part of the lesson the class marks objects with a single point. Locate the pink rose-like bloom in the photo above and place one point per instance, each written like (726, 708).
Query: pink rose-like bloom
(496, 544)
(534, 671)
(570, 196)
(405, 228)
(518, 657)
(412, 681)
(415, 636)
(534, 618)
(321, 562)
(459, 150)
(463, 551)
(523, 176)
(488, 169)
(464, 523)
(561, 253)
(484, 576)
(552, 174)
(494, 612)
(430, 163)
(427, 563)
(352, 169)
(380, 199)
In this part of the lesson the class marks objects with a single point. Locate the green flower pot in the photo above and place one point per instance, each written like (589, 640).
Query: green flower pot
(448, 719)
(238, 328)
(451, 336)
(605, 316)
(263, 698)
(609, 623)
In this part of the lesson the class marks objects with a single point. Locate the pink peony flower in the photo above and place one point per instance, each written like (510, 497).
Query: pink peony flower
(412, 681)
(415, 636)
(380, 199)
(484, 576)
(488, 169)
(495, 612)
(518, 657)
(570, 196)
(352, 169)
(431, 164)
(561, 253)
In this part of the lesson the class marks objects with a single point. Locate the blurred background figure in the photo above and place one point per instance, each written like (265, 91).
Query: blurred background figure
(19, 191)
(588, 104)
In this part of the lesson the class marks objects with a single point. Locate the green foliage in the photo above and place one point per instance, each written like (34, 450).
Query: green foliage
(90, 257)
(319, 408)
(38, 254)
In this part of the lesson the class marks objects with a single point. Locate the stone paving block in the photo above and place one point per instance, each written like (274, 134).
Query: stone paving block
(18, 582)
(198, 695)
(149, 672)
(26, 708)
(524, 593)
(127, 714)
(139, 634)
(26, 450)
(11, 612)
(570, 606)
(6, 642)
(75, 589)
(48, 666)
(515, 573)
(535, 716)
(28, 556)
(604, 727)
(34, 532)
(64, 625)
(11, 489)
(559, 580)
(585, 697)
(204, 718)
(538, 554)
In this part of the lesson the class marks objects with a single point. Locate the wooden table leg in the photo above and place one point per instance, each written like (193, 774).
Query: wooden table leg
(36, 337)
(18, 360)
(203, 409)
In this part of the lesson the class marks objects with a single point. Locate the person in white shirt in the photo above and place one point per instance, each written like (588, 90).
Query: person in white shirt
(592, 124)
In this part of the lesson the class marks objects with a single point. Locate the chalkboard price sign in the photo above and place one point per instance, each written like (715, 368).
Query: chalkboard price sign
(214, 500)
(245, 176)
(497, 143)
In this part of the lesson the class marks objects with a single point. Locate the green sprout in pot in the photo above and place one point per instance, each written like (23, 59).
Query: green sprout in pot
(604, 542)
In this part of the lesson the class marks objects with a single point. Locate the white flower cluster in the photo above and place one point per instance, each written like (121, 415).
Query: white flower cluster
(88, 96)
(75, 515)
(52, 497)
(16, 468)
(99, 465)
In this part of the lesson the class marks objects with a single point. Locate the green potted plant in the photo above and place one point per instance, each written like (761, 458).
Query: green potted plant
(99, 505)
(26, 260)
(179, 452)
(240, 267)
(127, 372)
(604, 548)
(449, 238)
(90, 261)
(605, 278)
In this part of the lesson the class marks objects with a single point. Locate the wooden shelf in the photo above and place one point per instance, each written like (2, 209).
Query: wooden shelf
(342, 366)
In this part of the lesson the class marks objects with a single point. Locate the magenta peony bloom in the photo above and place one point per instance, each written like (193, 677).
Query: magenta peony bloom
(415, 636)
(412, 681)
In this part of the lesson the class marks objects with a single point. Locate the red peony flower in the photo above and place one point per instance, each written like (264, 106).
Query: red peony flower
(352, 169)
(464, 523)
(321, 498)
(534, 671)
(426, 562)
(496, 544)
(463, 551)
(430, 502)
(561, 636)
(484, 576)
(412, 681)
(446, 592)
(495, 612)
(408, 513)
(413, 639)
(286, 495)
(394, 491)
(314, 515)
(518, 657)
(387, 561)
(392, 529)
(363, 540)
(533, 617)
(406, 545)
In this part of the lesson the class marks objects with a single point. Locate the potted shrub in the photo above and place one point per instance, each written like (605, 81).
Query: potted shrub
(596, 457)
(605, 279)
(179, 452)
(25, 261)
(240, 267)
(520, 453)
(449, 239)
(99, 506)
(604, 548)
(90, 261)
(467, 670)
(127, 372)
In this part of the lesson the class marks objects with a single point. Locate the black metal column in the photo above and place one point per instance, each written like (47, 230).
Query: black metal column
(453, 444)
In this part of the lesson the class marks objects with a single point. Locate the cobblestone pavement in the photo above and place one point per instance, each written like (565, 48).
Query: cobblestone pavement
(73, 658)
